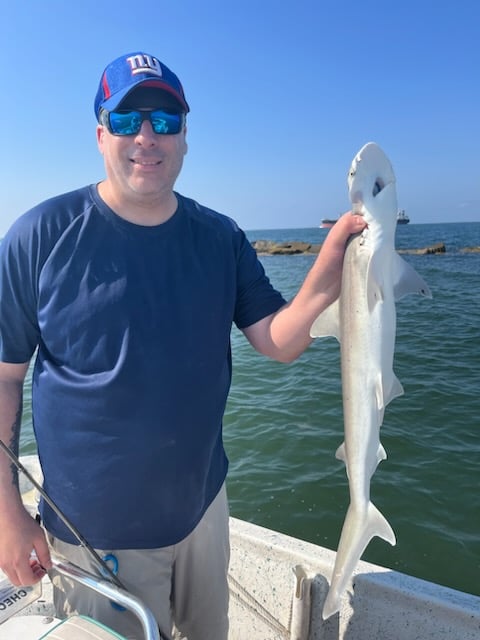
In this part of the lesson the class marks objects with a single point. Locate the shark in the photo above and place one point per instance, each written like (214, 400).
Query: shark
(363, 319)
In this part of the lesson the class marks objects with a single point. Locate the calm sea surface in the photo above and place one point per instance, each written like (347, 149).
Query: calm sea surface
(284, 422)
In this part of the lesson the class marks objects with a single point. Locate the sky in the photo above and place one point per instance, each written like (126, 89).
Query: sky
(282, 96)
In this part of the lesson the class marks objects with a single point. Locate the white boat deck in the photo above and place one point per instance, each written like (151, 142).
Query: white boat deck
(384, 604)
(278, 585)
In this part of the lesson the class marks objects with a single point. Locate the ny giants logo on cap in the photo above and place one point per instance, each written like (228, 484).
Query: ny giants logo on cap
(143, 63)
(131, 70)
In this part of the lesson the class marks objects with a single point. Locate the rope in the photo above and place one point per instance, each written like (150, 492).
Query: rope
(239, 593)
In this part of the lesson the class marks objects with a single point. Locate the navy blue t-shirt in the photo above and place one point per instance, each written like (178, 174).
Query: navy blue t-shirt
(132, 325)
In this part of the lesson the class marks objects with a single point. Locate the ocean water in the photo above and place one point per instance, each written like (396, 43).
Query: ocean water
(284, 423)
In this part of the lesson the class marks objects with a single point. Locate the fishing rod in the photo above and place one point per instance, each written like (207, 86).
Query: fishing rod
(101, 564)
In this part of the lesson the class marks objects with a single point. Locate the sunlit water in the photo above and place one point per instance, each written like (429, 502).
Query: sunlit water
(284, 422)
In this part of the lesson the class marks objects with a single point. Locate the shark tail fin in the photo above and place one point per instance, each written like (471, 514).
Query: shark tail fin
(358, 529)
(379, 525)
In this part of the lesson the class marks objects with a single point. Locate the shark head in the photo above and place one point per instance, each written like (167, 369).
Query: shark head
(371, 187)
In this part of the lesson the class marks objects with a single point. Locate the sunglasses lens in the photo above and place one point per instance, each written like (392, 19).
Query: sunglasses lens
(164, 122)
(128, 123)
(125, 124)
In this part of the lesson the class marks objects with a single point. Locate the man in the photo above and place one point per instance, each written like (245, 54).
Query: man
(129, 290)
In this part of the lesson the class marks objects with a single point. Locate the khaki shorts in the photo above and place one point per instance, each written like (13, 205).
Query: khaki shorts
(185, 585)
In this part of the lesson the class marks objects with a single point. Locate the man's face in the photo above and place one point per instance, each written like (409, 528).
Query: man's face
(142, 168)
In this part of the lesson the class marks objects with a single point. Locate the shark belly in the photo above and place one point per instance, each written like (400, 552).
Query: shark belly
(374, 277)
(362, 353)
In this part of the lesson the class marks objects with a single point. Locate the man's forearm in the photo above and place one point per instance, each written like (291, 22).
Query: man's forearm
(285, 334)
(11, 405)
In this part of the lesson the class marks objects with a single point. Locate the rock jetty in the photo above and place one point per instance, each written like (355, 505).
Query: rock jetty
(439, 247)
(272, 248)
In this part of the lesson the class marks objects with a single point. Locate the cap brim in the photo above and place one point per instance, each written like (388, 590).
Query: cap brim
(114, 101)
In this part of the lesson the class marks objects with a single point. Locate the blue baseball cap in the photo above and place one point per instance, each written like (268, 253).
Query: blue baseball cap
(133, 70)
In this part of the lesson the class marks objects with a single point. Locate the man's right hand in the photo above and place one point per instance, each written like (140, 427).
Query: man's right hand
(20, 535)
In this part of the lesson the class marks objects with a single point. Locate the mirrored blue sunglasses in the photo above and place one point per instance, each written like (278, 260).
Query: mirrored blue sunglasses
(129, 123)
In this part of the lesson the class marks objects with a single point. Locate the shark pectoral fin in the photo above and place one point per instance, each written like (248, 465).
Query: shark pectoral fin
(406, 280)
(327, 323)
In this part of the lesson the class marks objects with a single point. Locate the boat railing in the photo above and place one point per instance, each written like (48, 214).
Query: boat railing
(114, 593)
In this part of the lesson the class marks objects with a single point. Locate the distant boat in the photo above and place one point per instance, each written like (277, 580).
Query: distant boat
(326, 223)
(402, 217)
